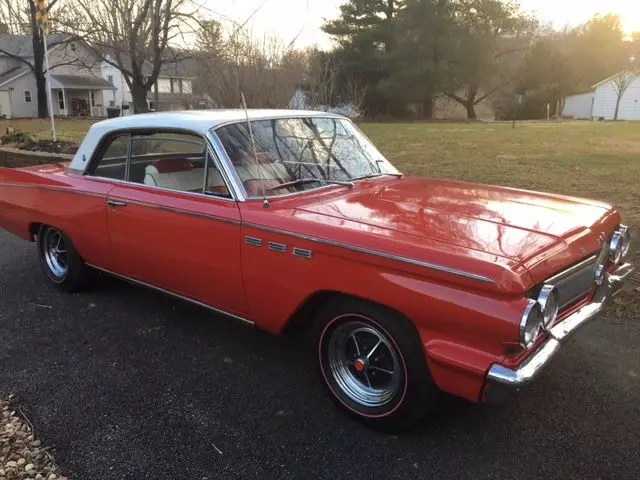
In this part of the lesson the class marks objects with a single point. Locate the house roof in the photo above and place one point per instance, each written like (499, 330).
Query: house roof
(634, 72)
(13, 73)
(22, 46)
(174, 67)
(80, 82)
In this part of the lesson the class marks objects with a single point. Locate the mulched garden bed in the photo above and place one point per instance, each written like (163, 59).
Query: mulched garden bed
(21, 141)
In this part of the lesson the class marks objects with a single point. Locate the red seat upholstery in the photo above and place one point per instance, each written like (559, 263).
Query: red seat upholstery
(172, 165)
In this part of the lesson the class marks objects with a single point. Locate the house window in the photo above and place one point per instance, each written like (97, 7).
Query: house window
(73, 47)
(112, 103)
(60, 100)
(171, 85)
(27, 96)
(110, 78)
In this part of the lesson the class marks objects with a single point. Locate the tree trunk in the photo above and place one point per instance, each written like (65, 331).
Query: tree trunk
(617, 110)
(37, 42)
(426, 108)
(471, 110)
(41, 87)
(139, 97)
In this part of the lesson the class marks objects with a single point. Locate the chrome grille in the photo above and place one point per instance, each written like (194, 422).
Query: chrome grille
(578, 280)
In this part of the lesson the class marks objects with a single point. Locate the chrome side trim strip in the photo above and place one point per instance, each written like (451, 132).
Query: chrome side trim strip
(375, 253)
(181, 211)
(173, 294)
(55, 189)
(156, 189)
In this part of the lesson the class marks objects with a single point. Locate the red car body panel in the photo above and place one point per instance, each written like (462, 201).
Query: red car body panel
(400, 242)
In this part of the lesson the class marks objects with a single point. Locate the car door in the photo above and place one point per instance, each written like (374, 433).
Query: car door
(165, 231)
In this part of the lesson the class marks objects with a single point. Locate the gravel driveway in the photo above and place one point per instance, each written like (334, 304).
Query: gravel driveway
(125, 383)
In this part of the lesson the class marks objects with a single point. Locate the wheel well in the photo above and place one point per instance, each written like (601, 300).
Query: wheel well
(303, 317)
(34, 228)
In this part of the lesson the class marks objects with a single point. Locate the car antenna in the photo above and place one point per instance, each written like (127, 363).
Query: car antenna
(265, 202)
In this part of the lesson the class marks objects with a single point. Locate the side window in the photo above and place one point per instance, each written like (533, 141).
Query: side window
(113, 160)
(174, 161)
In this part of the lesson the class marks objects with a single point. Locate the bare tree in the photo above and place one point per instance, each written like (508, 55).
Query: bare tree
(20, 19)
(621, 83)
(266, 71)
(322, 80)
(136, 37)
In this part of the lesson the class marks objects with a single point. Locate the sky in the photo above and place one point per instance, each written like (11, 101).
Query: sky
(302, 19)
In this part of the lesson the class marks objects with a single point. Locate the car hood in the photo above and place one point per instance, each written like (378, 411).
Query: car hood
(537, 231)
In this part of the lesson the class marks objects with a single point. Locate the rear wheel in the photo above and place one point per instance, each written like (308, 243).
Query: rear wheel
(373, 364)
(61, 262)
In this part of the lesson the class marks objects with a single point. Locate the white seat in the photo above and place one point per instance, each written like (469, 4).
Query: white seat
(184, 180)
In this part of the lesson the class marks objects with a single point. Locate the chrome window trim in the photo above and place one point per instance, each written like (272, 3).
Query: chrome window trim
(173, 294)
(376, 253)
(260, 118)
(226, 168)
(209, 149)
(162, 189)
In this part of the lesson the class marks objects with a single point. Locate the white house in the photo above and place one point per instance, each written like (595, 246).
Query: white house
(76, 84)
(174, 86)
(600, 104)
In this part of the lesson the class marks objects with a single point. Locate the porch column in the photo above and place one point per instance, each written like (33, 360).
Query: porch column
(64, 100)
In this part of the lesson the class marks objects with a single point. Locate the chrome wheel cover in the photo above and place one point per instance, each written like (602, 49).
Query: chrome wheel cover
(55, 253)
(364, 364)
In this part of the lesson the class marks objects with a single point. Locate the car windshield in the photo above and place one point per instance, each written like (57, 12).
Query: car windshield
(296, 154)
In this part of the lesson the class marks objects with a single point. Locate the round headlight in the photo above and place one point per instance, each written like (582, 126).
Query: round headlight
(530, 324)
(548, 301)
(615, 247)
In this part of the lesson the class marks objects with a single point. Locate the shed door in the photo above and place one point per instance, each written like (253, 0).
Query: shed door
(5, 105)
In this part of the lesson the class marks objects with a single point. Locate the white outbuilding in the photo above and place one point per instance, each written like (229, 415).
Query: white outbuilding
(600, 104)
(606, 95)
(579, 106)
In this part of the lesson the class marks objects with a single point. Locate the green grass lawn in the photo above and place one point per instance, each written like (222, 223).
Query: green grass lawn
(590, 159)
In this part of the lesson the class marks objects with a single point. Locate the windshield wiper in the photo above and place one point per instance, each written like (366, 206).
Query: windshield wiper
(302, 181)
(376, 175)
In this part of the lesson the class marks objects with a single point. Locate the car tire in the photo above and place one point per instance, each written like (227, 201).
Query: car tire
(61, 262)
(388, 387)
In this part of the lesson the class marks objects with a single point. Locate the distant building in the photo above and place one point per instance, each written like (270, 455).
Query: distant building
(579, 106)
(174, 86)
(76, 84)
(600, 104)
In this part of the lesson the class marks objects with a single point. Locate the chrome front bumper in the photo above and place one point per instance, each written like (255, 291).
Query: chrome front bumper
(501, 380)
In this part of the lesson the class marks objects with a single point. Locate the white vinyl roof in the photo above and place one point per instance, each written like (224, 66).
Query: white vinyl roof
(200, 121)
(197, 121)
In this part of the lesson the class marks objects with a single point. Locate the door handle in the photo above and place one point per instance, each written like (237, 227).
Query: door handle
(116, 203)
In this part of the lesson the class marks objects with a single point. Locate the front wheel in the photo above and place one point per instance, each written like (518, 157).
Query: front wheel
(373, 364)
(61, 262)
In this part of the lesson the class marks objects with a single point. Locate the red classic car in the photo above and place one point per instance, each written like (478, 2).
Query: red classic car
(293, 220)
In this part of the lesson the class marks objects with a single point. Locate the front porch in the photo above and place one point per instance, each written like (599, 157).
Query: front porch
(79, 96)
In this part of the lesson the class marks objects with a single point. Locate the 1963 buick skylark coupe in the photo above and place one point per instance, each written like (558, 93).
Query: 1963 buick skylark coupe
(288, 219)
